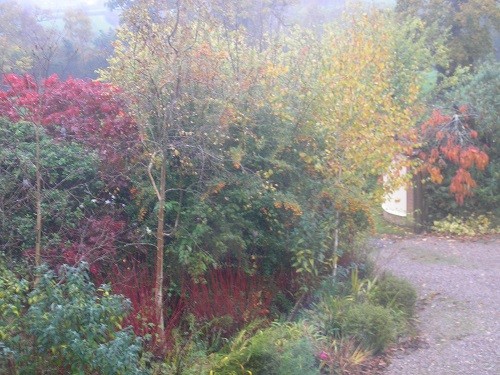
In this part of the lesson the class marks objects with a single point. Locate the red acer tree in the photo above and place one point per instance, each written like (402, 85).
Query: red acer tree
(451, 139)
(89, 112)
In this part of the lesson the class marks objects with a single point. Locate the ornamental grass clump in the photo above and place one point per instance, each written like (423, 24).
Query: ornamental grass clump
(374, 327)
(396, 293)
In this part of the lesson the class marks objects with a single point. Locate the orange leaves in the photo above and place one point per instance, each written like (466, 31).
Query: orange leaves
(216, 189)
(292, 207)
(228, 116)
(462, 185)
(435, 174)
(481, 159)
(463, 109)
(206, 63)
(450, 137)
(434, 156)
(436, 118)
(213, 190)
(451, 151)
(465, 157)
(134, 192)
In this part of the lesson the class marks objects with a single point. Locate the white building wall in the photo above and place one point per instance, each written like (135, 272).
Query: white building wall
(396, 202)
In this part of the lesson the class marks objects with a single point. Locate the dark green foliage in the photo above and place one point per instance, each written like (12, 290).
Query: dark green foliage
(481, 92)
(66, 324)
(469, 27)
(281, 304)
(395, 293)
(68, 172)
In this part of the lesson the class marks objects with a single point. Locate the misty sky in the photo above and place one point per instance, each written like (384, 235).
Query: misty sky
(100, 15)
(61, 4)
(102, 18)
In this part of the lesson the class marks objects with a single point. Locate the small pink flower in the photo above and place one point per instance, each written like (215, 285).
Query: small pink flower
(324, 356)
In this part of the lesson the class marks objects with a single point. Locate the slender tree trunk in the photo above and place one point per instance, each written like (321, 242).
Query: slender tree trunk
(336, 233)
(296, 307)
(38, 199)
(336, 244)
(160, 242)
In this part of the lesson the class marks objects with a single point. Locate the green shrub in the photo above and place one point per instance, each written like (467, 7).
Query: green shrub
(472, 226)
(395, 293)
(78, 327)
(71, 327)
(13, 300)
(69, 174)
(373, 326)
(280, 349)
(328, 314)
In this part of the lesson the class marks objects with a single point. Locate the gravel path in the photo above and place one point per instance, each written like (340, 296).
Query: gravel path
(458, 283)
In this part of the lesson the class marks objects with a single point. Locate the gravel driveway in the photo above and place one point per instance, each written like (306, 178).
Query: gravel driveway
(458, 282)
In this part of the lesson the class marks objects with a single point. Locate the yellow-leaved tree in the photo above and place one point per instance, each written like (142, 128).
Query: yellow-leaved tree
(367, 101)
(357, 96)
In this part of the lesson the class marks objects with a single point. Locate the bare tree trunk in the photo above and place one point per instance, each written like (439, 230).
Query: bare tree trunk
(160, 242)
(38, 199)
(336, 233)
(296, 307)
(336, 244)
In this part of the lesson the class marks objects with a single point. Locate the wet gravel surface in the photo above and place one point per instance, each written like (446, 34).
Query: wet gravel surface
(458, 319)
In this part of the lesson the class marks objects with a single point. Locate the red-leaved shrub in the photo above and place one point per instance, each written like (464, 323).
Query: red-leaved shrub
(229, 293)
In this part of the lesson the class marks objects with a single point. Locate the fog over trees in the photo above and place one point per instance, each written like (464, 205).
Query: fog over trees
(189, 186)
